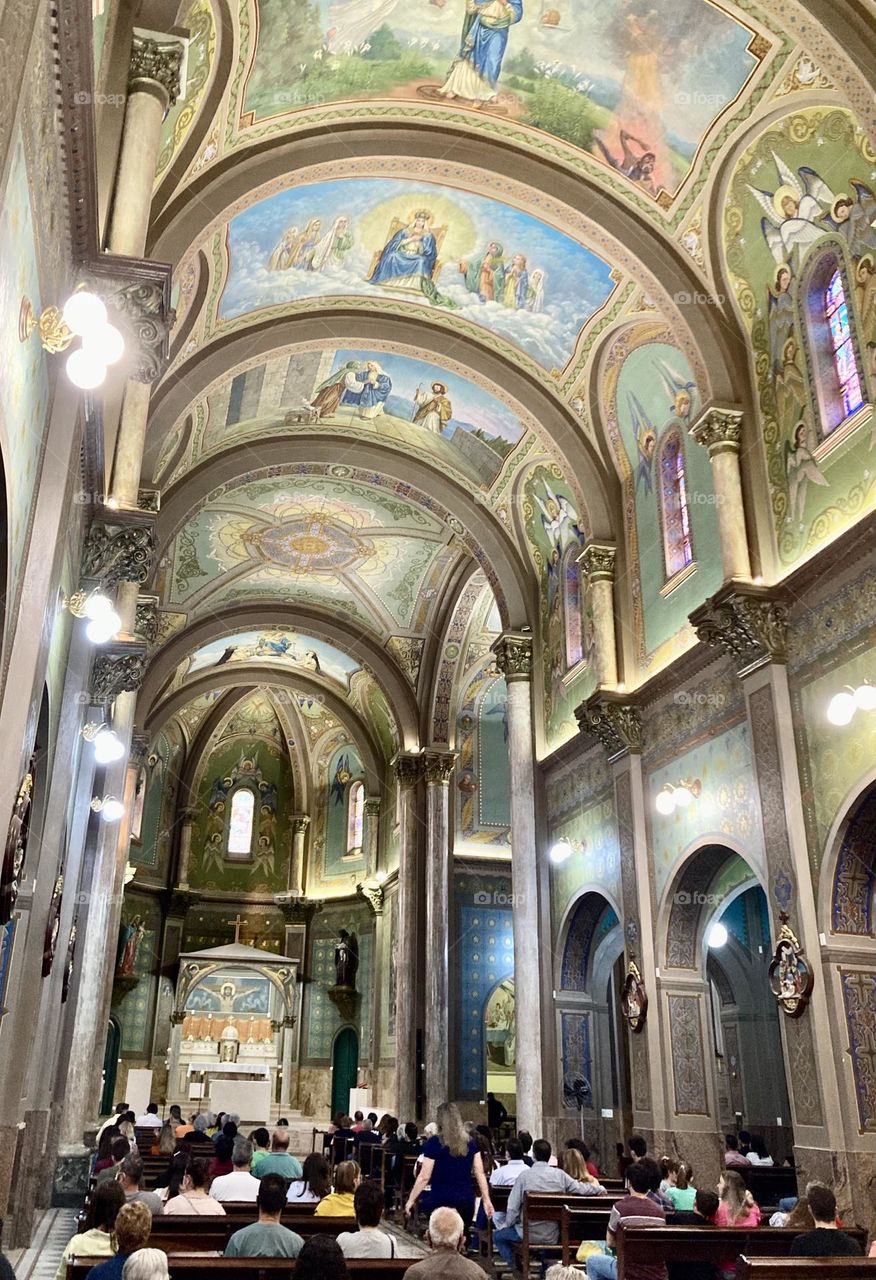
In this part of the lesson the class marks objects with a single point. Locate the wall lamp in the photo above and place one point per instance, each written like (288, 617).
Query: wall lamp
(563, 849)
(109, 808)
(83, 316)
(670, 798)
(844, 704)
(103, 621)
(108, 746)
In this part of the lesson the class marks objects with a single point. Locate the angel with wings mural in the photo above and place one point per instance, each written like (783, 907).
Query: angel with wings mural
(795, 211)
(646, 441)
(801, 469)
(855, 219)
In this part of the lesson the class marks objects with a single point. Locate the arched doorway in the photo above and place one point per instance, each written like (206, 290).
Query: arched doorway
(595, 1086)
(110, 1065)
(500, 1044)
(345, 1066)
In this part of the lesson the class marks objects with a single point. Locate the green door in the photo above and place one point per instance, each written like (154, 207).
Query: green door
(345, 1065)
(110, 1066)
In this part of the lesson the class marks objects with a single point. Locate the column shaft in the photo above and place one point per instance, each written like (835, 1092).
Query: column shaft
(300, 823)
(438, 767)
(720, 430)
(597, 562)
(408, 770)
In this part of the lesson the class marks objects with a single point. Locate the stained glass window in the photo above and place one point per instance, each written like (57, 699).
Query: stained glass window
(241, 822)
(572, 608)
(845, 362)
(677, 546)
(355, 817)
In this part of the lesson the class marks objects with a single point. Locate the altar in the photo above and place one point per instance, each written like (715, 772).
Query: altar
(232, 1039)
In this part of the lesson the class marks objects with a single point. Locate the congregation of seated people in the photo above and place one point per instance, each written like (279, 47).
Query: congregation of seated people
(442, 1181)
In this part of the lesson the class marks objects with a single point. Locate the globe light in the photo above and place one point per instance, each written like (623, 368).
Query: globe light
(97, 605)
(561, 852)
(85, 370)
(683, 795)
(83, 313)
(841, 707)
(380, 877)
(865, 696)
(105, 344)
(111, 810)
(103, 628)
(717, 936)
(108, 746)
(665, 802)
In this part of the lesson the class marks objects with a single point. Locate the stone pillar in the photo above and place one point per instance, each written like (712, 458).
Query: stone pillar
(720, 430)
(438, 768)
(371, 842)
(185, 846)
(408, 771)
(300, 823)
(513, 652)
(597, 562)
(373, 895)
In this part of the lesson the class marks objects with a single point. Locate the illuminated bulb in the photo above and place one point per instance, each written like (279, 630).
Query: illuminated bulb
(111, 809)
(103, 628)
(84, 313)
(105, 344)
(865, 697)
(108, 747)
(665, 802)
(85, 370)
(683, 795)
(380, 877)
(98, 606)
(561, 852)
(717, 936)
(841, 708)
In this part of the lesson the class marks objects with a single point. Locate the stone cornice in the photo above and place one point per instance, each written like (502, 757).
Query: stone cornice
(746, 622)
(614, 722)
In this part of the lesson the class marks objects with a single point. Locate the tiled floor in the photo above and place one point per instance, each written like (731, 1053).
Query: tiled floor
(40, 1262)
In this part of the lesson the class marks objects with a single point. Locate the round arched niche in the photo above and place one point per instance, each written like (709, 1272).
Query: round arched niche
(703, 886)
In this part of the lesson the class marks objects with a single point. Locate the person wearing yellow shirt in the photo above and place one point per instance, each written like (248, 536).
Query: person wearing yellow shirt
(339, 1203)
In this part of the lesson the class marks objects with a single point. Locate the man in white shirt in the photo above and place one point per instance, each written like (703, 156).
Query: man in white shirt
(505, 1175)
(150, 1119)
(239, 1184)
(369, 1241)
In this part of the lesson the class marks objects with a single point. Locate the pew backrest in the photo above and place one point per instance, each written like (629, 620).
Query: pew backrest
(191, 1267)
(187, 1233)
(751, 1268)
(706, 1244)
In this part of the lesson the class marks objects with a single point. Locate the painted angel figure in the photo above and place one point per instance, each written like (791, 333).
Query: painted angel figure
(855, 219)
(790, 386)
(284, 254)
(801, 469)
(682, 393)
(794, 211)
(646, 441)
(560, 519)
(780, 321)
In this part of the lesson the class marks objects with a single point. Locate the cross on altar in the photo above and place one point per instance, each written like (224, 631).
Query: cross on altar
(237, 922)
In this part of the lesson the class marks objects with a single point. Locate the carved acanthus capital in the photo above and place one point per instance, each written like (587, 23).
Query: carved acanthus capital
(748, 623)
(719, 430)
(408, 769)
(372, 807)
(513, 651)
(300, 823)
(616, 724)
(296, 908)
(597, 561)
(179, 902)
(117, 668)
(118, 549)
(373, 895)
(438, 766)
(156, 67)
(146, 619)
(148, 319)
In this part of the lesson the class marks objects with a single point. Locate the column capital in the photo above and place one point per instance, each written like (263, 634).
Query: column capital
(438, 766)
(117, 668)
(615, 723)
(119, 547)
(719, 429)
(597, 560)
(373, 895)
(179, 901)
(157, 66)
(146, 619)
(297, 909)
(188, 815)
(300, 822)
(513, 650)
(372, 806)
(747, 622)
(408, 768)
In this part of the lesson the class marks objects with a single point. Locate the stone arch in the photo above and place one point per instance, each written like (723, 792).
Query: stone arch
(688, 906)
(847, 904)
(586, 909)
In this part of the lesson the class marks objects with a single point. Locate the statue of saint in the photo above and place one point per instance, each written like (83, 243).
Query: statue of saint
(346, 961)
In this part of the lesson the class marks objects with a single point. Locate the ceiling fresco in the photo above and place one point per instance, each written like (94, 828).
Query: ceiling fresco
(315, 538)
(286, 648)
(396, 240)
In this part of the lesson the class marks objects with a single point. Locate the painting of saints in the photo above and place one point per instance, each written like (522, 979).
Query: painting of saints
(485, 276)
(306, 250)
(559, 519)
(637, 167)
(331, 249)
(516, 283)
(646, 441)
(433, 408)
(790, 387)
(329, 393)
(475, 74)
(801, 469)
(409, 259)
(284, 255)
(781, 315)
(369, 389)
(535, 292)
(854, 219)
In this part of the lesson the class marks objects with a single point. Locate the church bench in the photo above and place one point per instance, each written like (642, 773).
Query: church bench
(590, 1214)
(643, 1245)
(184, 1267)
(185, 1233)
(811, 1268)
(771, 1184)
(499, 1197)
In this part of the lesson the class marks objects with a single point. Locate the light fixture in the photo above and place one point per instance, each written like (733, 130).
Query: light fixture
(97, 607)
(677, 796)
(103, 628)
(83, 316)
(380, 877)
(717, 935)
(865, 697)
(108, 746)
(842, 706)
(563, 849)
(109, 807)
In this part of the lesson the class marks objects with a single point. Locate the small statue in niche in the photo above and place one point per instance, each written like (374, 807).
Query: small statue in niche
(634, 998)
(346, 961)
(129, 941)
(790, 974)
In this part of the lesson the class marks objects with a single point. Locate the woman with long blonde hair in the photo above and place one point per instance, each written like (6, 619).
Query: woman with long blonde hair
(450, 1159)
(737, 1207)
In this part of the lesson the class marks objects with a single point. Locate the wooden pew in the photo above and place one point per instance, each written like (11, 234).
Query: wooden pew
(194, 1268)
(812, 1268)
(189, 1233)
(649, 1245)
(590, 1214)
(769, 1184)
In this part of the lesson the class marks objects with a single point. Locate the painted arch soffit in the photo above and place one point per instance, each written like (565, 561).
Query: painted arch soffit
(633, 95)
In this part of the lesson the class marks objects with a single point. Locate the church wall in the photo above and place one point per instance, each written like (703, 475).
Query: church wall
(134, 996)
(482, 781)
(344, 768)
(150, 853)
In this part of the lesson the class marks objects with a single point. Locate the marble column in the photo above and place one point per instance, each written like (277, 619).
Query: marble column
(371, 842)
(185, 847)
(300, 823)
(408, 771)
(438, 770)
(720, 431)
(513, 652)
(597, 562)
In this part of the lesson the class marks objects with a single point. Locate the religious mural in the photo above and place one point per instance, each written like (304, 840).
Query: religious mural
(804, 188)
(344, 768)
(157, 792)
(445, 248)
(634, 85)
(136, 964)
(500, 1036)
(198, 19)
(276, 646)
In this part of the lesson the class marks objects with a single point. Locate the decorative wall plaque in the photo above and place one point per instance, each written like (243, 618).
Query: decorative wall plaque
(791, 976)
(16, 846)
(634, 998)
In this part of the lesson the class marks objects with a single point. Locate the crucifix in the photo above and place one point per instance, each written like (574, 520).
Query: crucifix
(237, 922)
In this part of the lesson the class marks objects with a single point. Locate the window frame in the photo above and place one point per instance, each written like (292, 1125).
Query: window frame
(235, 792)
(825, 389)
(673, 578)
(356, 786)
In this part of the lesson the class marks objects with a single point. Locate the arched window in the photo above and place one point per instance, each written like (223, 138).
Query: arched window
(572, 607)
(829, 329)
(240, 823)
(355, 818)
(677, 545)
